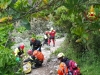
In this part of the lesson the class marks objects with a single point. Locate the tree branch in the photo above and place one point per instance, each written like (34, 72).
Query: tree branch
(31, 11)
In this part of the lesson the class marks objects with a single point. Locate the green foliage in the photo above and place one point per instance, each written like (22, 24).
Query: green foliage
(21, 29)
(8, 64)
(37, 37)
(83, 36)
(4, 3)
(61, 10)
(21, 5)
(7, 61)
(25, 23)
(4, 32)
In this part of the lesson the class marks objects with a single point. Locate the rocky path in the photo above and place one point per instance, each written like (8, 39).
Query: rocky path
(48, 68)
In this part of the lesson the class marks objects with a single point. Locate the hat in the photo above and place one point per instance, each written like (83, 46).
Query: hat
(60, 55)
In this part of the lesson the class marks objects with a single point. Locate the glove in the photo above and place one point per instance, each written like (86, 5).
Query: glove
(38, 49)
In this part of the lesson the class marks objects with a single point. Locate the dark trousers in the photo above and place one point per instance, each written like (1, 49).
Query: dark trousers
(45, 41)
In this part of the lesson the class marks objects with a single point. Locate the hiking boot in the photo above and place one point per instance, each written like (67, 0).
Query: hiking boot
(33, 67)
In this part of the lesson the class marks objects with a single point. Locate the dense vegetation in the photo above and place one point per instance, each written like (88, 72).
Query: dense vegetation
(72, 16)
(82, 41)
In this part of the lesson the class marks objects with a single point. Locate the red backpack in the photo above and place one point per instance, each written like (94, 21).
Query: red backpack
(72, 68)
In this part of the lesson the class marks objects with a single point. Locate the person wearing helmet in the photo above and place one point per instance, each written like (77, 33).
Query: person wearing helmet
(35, 44)
(35, 56)
(52, 34)
(62, 70)
(19, 51)
(67, 66)
(46, 38)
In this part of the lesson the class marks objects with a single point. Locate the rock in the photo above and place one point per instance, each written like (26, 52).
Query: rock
(51, 72)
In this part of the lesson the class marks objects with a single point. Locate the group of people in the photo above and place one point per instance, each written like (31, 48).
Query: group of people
(34, 55)
(66, 66)
(49, 36)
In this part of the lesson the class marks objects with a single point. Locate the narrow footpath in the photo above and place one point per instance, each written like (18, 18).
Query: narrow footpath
(48, 68)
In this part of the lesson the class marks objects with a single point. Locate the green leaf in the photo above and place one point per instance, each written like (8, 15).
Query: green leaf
(25, 23)
(85, 35)
(77, 30)
(97, 11)
(4, 4)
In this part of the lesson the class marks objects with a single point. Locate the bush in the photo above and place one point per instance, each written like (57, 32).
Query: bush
(8, 64)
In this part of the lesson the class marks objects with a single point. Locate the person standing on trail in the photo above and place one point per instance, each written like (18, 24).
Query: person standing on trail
(36, 57)
(46, 37)
(35, 44)
(52, 36)
(67, 66)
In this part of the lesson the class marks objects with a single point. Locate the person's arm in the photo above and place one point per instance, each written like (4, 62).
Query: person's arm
(16, 51)
(33, 57)
(31, 43)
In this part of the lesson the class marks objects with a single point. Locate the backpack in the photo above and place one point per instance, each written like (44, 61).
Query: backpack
(73, 69)
(27, 68)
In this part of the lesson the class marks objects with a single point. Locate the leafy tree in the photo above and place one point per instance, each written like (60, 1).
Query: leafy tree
(83, 31)
(12, 11)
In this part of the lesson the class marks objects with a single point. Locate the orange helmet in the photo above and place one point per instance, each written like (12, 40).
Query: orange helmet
(30, 52)
(32, 39)
(21, 46)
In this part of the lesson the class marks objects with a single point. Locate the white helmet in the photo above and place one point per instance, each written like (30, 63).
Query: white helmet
(51, 28)
(60, 55)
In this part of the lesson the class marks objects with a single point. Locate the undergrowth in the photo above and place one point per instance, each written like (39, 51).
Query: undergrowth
(88, 62)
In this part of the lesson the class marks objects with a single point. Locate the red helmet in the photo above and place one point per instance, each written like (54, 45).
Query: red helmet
(46, 32)
(30, 52)
(21, 46)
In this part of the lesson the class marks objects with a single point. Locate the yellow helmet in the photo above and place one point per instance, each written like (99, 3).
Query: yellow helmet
(60, 55)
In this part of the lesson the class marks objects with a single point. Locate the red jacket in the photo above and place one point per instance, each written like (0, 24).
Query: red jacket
(52, 33)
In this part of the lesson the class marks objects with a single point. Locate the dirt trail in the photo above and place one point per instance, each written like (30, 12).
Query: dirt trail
(48, 67)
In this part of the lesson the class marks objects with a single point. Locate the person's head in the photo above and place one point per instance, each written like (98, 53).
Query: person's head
(21, 47)
(30, 52)
(32, 39)
(60, 56)
(46, 32)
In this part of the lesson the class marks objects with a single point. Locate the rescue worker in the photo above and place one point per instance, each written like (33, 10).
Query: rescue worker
(19, 51)
(35, 44)
(62, 70)
(46, 37)
(52, 36)
(35, 56)
(67, 66)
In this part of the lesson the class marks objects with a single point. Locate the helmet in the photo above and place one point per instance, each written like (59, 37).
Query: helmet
(51, 28)
(60, 55)
(21, 46)
(32, 39)
(30, 52)
(46, 32)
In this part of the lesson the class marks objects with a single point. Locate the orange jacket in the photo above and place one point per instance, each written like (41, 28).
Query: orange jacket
(62, 70)
(38, 55)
